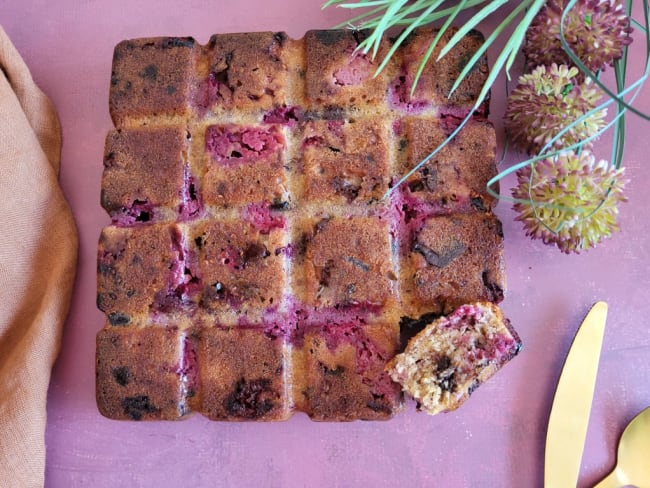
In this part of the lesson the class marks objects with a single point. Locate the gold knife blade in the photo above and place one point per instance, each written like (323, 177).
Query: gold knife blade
(567, 425)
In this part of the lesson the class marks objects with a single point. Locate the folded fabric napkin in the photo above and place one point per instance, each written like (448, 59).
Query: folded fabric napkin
(38, 254)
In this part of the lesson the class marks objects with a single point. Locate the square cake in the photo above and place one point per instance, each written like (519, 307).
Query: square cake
(257, 262)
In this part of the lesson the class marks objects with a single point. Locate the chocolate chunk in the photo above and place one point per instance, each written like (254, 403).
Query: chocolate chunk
(251, 399)
(118, 319)
(136, 406)
(343, 187)
(443, 363)
(338, 371)
(171, 42)
(122, 375)
(150, 72)
(255, 250)
(478, 204)
(379, 407)
(326, 273)
(358, 263)
(442, 259)
(495, 291)
(279, 205)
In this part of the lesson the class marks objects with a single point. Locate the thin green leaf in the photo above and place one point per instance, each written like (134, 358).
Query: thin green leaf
(384, 24)
(461, 5)
(359, 18)
(472, 23)
(415, 23)
(480, 52)
(365, 4)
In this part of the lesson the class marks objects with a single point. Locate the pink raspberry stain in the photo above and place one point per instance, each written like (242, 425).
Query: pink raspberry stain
(285, 115)
(230, 144)
(368, 354)
(399, 95)
(183, 281)
(358, 69)
(480, 349)
(260, 216)
(138, 212)
(191, 206)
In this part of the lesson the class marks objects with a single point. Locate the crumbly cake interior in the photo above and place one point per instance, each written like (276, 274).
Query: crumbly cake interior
(253, 267)
(445, 362)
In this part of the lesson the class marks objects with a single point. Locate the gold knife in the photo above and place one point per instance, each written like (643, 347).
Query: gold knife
(567, 425)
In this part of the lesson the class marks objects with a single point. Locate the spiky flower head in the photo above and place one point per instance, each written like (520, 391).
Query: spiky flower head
(570, 200)
(548, 100)
(595, 30)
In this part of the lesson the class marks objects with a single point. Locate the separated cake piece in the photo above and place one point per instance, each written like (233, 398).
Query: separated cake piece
(452, 356)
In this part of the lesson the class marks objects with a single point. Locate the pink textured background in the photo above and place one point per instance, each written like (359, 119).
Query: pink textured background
(496, 439)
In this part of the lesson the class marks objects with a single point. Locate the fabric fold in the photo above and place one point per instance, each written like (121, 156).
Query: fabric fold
(38, 255)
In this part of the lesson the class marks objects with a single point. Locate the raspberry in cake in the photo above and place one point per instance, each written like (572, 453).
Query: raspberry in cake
(131, 157)
(243, 374)
(248, 72)
(342, 370)
(345, 161)
(453, 260)
(240, 266)
(337, 75)
(152, 77)
(140, 374)
(344, 261)
(243, 165)
(443, 364)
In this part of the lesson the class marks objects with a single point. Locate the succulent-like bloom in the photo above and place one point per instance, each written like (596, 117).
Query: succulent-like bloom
(595, 30)
(548, 100)
(570, 200)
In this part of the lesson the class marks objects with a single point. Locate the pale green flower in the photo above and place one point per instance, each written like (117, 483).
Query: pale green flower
(548, 100)
(570, 200)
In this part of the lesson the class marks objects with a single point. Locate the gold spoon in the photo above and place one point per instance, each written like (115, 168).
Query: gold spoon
(633, 465)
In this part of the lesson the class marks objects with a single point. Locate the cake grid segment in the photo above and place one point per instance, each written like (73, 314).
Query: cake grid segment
(234, 122)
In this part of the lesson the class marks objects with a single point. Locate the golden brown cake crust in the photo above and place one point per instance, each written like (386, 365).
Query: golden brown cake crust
(132, 155)
(137, 377)
(259, 261)
(243, 375)
(153, 76)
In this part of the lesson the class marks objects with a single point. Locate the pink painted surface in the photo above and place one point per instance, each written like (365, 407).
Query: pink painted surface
(495, 440)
